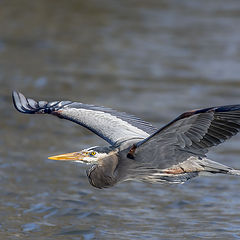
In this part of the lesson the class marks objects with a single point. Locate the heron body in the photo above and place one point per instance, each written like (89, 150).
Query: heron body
(138, 151)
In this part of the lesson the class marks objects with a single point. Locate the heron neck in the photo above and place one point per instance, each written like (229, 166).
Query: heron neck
(104, 175)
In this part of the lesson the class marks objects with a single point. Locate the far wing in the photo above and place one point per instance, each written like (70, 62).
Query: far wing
(192, 133)
(112, 126)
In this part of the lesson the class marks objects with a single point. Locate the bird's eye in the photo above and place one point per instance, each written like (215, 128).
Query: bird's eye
(92, 153)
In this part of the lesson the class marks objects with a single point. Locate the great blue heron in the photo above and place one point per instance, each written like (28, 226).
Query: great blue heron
(139, 151)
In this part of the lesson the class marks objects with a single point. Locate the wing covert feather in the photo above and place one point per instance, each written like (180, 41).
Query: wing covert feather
(192, 133)
(112, 126)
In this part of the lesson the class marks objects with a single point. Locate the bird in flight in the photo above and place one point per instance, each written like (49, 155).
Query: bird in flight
(138, 151)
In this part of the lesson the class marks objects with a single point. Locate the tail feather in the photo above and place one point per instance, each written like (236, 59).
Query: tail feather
(215, 167)
(234, 172)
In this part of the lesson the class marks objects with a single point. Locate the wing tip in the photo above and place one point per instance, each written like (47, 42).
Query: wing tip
(16, 101)
(21, 103)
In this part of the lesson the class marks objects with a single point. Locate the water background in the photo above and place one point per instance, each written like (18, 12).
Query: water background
(153, 59)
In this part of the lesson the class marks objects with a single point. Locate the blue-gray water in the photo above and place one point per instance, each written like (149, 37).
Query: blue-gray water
(154, 59)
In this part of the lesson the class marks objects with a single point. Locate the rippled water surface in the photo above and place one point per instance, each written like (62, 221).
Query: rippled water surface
(154, 59)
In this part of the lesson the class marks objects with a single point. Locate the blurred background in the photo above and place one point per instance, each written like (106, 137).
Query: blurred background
(153, 59)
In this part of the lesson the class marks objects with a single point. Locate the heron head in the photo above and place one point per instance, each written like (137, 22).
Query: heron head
(88, 156)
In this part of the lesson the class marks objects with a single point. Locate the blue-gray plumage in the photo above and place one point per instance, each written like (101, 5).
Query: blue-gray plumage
(139, 151)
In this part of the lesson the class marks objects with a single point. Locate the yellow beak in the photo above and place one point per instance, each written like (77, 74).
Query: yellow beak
(75, 156)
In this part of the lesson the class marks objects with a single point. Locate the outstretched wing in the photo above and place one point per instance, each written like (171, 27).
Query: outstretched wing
(192, 133)
(112, 126)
